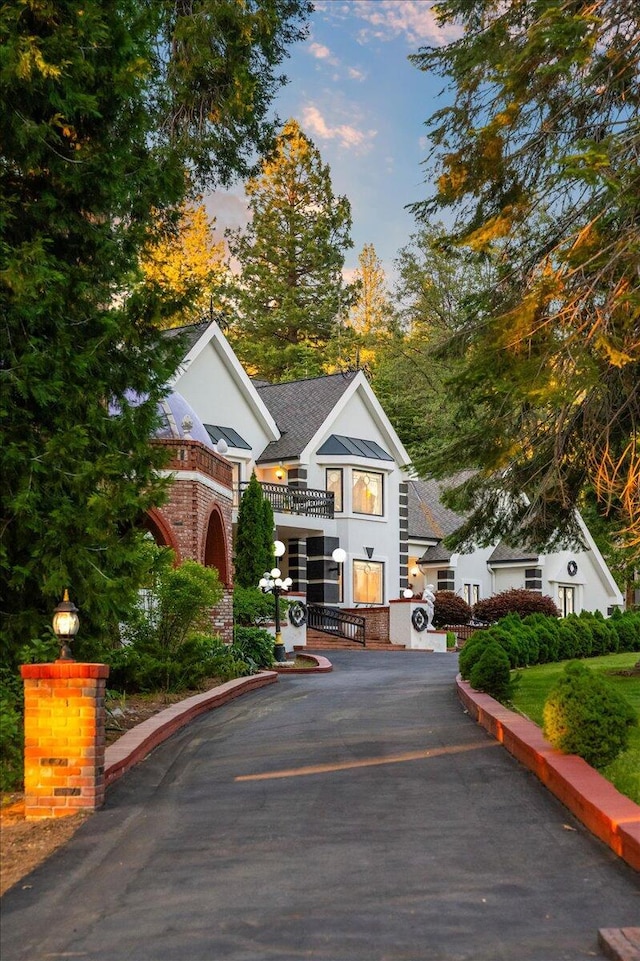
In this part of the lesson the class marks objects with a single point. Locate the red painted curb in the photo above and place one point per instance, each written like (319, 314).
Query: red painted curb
(611, 816)
(320, 665)
(137, 743)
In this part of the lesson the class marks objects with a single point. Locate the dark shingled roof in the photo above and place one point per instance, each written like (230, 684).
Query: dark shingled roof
(299, 408)
(428, 517)
(505, 554)
(191, 334)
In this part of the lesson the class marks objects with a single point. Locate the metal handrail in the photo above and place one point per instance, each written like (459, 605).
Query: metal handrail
(296, 500)
(337, 623)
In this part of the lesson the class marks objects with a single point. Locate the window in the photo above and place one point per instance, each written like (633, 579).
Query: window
(334, 485)
(368, 581)
(367, 493)
(533, 579)
(566, 600)
(446, 580)
(471, 593)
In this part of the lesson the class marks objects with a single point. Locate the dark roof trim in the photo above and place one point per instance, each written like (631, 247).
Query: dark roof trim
(231, 436)
(340, 445)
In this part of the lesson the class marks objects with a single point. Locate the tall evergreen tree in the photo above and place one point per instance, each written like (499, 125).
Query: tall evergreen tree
(537, 159)
(112, 113)
(254, 536)
(371, 317)
(187, 266)
(290, 293)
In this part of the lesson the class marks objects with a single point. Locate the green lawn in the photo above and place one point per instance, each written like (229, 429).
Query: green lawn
(535, 683)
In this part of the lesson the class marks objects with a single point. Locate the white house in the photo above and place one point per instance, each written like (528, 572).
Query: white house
(577, 580)
(337, 474)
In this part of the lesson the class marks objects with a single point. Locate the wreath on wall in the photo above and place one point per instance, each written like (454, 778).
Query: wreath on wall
(297, 614)
(420, 619)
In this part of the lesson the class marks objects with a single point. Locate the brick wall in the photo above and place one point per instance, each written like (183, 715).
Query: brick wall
(64, 727)
(376, 619)
(198, 517)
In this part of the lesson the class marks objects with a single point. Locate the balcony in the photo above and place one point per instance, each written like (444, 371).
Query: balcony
(294, 500)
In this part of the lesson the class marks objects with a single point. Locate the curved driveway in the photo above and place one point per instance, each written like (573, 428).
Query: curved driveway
(354, 815)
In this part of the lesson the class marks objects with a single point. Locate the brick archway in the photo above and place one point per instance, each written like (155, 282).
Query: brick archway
(161, 531)
(216, 546)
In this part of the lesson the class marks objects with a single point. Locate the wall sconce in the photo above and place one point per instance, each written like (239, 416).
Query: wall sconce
(65, 625)
(414, 571)
(279, 473)
(339, 556)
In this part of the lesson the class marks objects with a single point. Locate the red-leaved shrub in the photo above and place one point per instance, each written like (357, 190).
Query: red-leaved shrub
(515, 601)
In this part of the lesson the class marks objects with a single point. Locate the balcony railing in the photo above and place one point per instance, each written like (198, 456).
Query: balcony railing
(295, 500)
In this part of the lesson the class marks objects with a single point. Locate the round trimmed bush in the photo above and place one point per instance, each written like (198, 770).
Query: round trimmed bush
(584, 715)
(491, 673)
(450, 608)
(516, 601)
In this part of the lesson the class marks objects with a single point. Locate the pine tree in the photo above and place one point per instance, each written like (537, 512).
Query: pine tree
(113, 113)
(371, 318)
(254, 536)
(290, 293)
(187, 266)
(536, 162)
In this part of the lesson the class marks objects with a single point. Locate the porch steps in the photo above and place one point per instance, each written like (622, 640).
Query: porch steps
(319, 641)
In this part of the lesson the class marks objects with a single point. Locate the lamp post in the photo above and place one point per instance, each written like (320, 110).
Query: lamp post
(65, 625)
(272, 583)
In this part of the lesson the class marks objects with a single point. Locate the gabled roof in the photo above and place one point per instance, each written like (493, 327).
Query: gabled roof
(300, 408)
(429, 519)
(191, 334)
(197, 339)
(504, 554)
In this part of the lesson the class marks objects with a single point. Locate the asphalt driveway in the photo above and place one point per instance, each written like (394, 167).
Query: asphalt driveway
(354, 815)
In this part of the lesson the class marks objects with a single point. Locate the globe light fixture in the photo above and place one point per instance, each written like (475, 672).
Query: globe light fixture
(65, 625)
(272, 582)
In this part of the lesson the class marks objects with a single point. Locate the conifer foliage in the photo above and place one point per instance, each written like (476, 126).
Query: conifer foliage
(536, 163)
(290, 293)
(108, 109)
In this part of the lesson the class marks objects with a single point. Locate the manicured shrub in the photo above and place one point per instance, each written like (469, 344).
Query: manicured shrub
(515, 601)
(627, 627)
(254, 645)
(491, 672)
(450, 608)
(472, 651)
(604, 639)
(584, 715)
(547, 633)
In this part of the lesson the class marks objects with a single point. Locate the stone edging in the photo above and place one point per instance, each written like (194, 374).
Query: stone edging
(611, 816)
(137, 743)
(318, 665)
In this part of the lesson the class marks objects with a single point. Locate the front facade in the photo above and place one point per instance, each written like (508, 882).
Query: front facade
(577, 580)
(327, 458)
(337, 476)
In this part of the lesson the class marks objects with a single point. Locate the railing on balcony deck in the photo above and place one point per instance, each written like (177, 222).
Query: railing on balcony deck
(294, 500)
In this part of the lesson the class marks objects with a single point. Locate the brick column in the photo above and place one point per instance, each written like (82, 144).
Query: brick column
(64, 725)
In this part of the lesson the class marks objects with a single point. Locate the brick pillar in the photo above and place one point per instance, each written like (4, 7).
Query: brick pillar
(64, 725)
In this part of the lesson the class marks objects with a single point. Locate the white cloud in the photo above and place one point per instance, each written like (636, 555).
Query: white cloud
(354, 74)
(345, 134)
(320, 52)
(413, 20)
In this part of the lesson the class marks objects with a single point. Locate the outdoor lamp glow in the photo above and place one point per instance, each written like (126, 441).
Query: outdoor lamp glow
(65, 625)
(278, 548)
(275, 572)
(407, 593)
(339, 555)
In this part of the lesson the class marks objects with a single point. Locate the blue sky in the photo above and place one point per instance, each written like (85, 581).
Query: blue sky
(363, 104)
